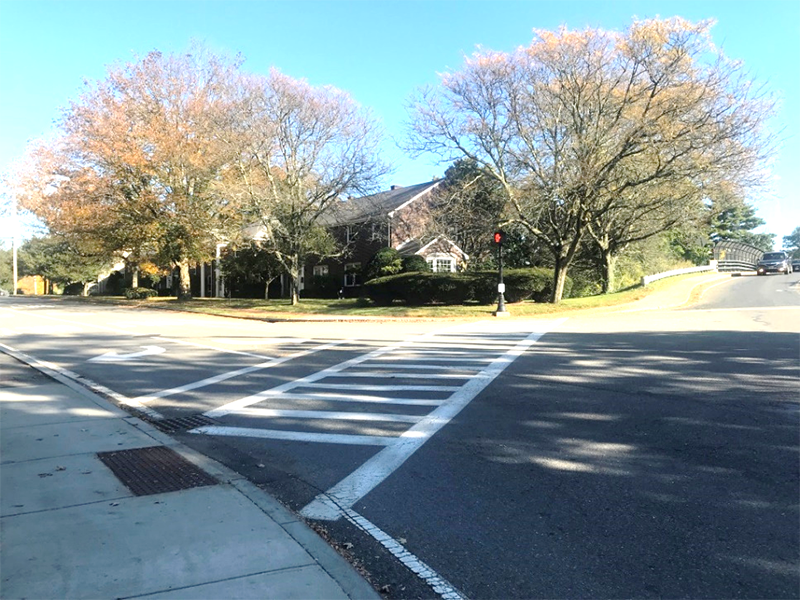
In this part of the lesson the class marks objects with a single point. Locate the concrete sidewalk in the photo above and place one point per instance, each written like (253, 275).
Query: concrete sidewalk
(69, 527)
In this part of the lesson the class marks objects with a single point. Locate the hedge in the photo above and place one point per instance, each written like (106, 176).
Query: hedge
(458, 288)
(139, 293)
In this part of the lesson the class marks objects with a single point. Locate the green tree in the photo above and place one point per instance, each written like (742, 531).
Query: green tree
(791, 242)
(737, 223)
(6, 270)
(61, 262)
(468, 208)
(386, 261)
(251, 263)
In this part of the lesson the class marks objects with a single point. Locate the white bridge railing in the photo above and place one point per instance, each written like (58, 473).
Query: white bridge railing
(651, 278)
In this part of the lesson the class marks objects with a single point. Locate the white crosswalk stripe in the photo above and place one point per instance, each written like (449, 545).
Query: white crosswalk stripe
(420, 373)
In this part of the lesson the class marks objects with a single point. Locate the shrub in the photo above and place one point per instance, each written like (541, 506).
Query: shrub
(385, 261)
(139, 293)
(324, 286)
(457, 288)
(415, 264)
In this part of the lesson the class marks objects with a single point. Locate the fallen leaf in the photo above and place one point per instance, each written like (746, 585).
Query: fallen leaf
(347, 545)
(61, 468)
(261, 466)
(402, 540)
(45, 474)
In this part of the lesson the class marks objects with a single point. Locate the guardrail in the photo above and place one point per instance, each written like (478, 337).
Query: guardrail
(651, 278)
(727, 266)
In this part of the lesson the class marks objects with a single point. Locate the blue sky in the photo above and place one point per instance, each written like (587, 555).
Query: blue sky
(378, 51)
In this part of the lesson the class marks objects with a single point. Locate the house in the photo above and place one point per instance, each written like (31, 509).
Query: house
(396, 218)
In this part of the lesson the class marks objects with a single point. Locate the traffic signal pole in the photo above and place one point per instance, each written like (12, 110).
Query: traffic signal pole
(499, 238)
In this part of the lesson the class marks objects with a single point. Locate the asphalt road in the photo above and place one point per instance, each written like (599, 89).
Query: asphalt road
(632, 454)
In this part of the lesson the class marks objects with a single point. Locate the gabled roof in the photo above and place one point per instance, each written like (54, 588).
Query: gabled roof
(382, 204)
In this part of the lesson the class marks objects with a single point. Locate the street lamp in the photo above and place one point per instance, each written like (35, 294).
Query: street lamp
(499, 238)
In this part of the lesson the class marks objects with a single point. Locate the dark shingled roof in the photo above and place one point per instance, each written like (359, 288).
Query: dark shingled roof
(357, 210)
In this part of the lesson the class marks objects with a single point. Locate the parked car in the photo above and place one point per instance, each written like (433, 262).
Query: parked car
(774, 262)
(796, 265)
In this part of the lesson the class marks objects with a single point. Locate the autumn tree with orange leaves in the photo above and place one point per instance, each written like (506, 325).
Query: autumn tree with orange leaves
(137, 164)
(170, 155)
(601, 136)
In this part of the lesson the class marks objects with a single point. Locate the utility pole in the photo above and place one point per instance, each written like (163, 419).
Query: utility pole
(14, 233)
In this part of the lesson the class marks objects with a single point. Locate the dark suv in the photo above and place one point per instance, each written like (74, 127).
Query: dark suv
(774, 262)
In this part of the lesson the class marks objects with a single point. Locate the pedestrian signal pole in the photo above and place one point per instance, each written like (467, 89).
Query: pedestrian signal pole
(499, 238)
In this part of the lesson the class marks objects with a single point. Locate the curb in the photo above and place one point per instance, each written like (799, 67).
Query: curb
(337, 567)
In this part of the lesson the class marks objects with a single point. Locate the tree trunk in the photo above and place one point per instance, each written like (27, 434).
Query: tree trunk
(184, 280)
(135, 276)
(609, 262)
(86, 287)
(294, 284)
(266, 287)
(559, 278)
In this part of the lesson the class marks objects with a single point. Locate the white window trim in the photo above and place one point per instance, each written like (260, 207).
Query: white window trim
(351, 273)
(433, 260)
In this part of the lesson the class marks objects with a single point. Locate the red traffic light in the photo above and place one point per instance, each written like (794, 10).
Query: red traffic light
(499, 237)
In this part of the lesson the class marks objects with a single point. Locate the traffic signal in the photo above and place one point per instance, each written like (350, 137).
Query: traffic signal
(499, 237)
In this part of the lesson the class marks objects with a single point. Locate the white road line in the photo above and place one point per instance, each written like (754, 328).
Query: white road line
(381, 388)
(327, 414)
(459, 346)
(362, 398)
(439, 358)
(386, 374)
(329, 505)
(71, 379)
(296, 436)
(454, 353)
(412, 366)
(439, 584)
(207, 347)
(309, 381)
(237, 373)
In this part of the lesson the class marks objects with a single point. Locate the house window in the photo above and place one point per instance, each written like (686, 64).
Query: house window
(320, 270)
(442, 264)
(352, 274)
(377, 232)
(351, 233)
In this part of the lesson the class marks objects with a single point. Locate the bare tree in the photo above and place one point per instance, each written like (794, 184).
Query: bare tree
(304, 149)
(584, 128)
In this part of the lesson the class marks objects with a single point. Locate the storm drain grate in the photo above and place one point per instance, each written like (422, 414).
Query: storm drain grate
(154, 470)
(182, 423)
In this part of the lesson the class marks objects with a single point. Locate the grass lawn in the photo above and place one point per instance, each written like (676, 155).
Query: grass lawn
(354, 309)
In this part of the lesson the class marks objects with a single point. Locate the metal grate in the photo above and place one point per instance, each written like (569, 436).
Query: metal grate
(154, 470)
(182, 423)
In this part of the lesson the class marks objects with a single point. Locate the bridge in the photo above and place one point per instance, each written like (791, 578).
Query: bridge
(736, 256)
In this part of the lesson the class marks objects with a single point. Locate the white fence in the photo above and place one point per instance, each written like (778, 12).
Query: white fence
(651, 278)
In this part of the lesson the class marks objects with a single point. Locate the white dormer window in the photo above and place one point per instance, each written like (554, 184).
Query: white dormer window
(442, 263)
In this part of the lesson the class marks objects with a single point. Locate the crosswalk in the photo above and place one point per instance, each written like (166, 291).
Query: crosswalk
(377, 398)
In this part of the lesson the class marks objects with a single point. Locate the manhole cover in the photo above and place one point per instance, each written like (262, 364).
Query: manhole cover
(154, 470)
(182, 423)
